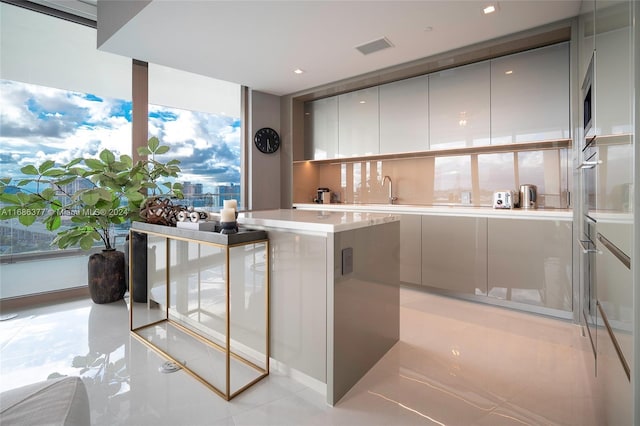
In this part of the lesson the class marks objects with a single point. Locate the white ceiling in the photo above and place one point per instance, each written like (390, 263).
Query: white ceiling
(260, 43)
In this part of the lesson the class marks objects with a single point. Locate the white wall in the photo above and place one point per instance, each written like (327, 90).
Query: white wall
(40, 49)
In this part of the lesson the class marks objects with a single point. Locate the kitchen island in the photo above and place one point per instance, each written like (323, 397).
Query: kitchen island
(335, 308)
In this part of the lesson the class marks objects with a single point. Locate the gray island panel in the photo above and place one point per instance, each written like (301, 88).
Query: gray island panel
(331, 321)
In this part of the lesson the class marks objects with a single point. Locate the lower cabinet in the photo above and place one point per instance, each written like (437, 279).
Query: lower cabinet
(519, 260)
(530, 262)
(454, 253)
(613, 388)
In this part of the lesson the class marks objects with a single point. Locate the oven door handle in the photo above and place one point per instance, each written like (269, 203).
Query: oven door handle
(585, 244)
(589, 164)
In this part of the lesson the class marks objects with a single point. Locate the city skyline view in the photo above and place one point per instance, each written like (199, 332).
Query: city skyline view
(40, 123)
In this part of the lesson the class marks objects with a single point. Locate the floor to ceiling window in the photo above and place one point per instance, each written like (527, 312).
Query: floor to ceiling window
(199, 117)
(61, 98)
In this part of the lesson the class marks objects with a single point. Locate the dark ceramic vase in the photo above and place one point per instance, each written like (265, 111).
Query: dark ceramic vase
(106, 276)
(137, 247)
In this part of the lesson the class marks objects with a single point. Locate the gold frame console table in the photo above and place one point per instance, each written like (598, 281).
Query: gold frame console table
(201, 299)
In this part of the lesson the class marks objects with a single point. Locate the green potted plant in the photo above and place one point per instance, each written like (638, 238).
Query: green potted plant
(85, 198)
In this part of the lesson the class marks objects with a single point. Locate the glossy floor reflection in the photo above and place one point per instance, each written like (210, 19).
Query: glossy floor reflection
(458, 363)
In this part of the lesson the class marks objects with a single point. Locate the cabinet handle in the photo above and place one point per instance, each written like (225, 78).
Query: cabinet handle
(589, 164)
(585, 247)
(619, 254)
(616, 345)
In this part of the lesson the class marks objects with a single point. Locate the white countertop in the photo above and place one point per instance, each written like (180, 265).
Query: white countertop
(308, 220)
(541, 214)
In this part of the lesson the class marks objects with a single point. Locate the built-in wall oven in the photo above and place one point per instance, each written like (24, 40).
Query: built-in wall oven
(588, 241)
(588, 100)
(588, 167)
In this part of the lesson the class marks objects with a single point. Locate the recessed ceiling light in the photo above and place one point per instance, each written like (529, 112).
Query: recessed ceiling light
(298, 71)
(490, 9)
(509, 72)
(363, 102)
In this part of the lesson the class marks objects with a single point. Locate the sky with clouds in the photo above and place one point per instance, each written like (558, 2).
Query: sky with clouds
(39, 123)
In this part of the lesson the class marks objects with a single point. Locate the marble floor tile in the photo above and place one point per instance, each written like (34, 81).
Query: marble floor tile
(457, 363)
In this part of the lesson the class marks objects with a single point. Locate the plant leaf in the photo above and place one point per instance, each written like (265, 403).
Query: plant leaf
(53, 222)
(90, 197)
(65, 181)
(143, 150)
(153, 144)
(162, 149)
(53, 172)
(107, 156)
(86, 242)
(27, 220)
(29, 169)
(127, 160)
(74, 162)
(48, 193)
(94, 164)
(46, 166)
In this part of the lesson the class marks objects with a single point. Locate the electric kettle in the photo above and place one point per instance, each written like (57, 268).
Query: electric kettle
(528, 196)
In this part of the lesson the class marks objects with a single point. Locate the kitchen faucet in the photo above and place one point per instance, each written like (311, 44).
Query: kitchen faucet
(392, 199)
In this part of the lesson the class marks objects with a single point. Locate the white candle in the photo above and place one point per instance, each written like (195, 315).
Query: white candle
(227, 215)
(230, 204)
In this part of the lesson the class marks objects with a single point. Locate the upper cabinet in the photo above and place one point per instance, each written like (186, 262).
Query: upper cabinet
(614, 78)
(586, 39)
(321, 129)
(522, 97)
(460, 107)
(358, 123)
(404, 116)
(530, 96)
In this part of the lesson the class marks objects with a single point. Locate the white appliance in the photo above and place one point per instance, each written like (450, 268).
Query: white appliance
(503, 200)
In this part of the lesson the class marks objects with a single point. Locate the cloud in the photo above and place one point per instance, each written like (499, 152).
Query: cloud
(207, 145)
(39, 123)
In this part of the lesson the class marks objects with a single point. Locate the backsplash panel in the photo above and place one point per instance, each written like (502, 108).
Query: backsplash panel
(438, 180)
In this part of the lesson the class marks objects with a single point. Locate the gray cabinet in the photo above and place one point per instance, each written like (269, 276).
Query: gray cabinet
(454, 253)
(613, 393)
(411, 248)
(358, 123)
(321, 129)
(530, 261)
(614, 257)
(459, 100)
(586, 39)
(613, 69)
(530, 96)
(404, 116)
(614, 290)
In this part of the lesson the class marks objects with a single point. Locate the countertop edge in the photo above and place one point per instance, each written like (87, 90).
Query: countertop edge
(537, 214)
(314, 226)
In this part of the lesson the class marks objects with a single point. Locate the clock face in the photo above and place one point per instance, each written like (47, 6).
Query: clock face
(267, 140)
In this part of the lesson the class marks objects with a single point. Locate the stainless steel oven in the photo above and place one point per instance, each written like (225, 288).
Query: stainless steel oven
(588, 99)
(587, 239)
(589, 299)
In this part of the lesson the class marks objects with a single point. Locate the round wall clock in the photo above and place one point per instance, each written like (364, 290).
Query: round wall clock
(267, 140)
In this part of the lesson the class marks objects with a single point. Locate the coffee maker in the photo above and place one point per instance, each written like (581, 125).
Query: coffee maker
(323, 196)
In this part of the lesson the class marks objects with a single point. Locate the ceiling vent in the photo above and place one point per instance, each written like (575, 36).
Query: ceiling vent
(374, 46)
